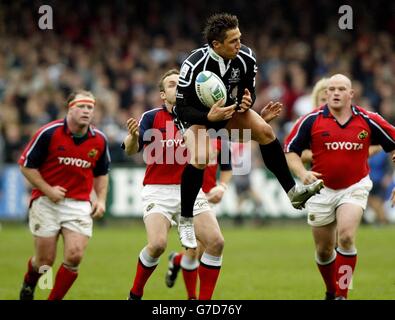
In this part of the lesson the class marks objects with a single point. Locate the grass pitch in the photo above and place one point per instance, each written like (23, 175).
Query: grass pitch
(272, 262)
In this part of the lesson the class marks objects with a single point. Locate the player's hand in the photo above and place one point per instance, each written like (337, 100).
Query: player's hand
(246, 101)
(133, 127)
(98, 209)
(271, 111)
(310, 177)
(219, 113)
(56, 193)
(393, 157)
(215, 194)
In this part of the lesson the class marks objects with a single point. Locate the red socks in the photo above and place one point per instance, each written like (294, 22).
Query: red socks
(145, 266)
(189, 272)
(32, 275)
(208, 276)
(63, 281)
(142, 275)
(190, 279)
(208, 270)
(345, 265)
(328, 273)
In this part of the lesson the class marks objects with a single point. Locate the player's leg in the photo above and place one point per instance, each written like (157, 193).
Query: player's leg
(348, 217)
(209, 234)
(44, 257)
(44, 226)
(273, 156)
(157, 227)
(325, 256)
(174, 266)
(187, 261)
(74, 247)
(198, 144)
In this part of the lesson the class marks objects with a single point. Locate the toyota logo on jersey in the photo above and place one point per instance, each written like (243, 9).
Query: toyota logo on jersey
(342, 145)
(74, 162)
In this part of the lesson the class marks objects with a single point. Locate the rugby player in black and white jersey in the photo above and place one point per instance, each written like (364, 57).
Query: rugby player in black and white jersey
(235, 64)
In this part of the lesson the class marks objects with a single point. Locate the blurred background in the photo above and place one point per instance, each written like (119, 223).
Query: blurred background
(119, 49)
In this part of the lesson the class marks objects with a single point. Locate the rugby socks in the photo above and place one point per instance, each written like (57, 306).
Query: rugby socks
(345, 265)
(328, 273)
(191, 182)
(32, 275)
(145, 266)
(177, 259)
(274, 158)
(190, 272)
(64, 280)
(208, 270)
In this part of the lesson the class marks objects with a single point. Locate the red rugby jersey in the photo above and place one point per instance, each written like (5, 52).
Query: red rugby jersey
(340, 152)
(65, 160)
(164, 147)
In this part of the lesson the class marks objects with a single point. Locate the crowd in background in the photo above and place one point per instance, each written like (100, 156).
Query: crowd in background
(119, 49)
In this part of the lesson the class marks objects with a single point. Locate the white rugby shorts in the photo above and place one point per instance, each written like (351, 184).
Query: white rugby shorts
(166, 200)
(322, 207)
(46, 218)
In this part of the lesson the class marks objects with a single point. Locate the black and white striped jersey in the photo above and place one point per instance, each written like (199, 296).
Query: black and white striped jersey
(236, 74)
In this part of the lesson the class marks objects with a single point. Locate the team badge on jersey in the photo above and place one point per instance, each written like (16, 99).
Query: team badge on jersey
(93, 153)
(363, 135)
(149, 207)
(184, 71)
(235, 75)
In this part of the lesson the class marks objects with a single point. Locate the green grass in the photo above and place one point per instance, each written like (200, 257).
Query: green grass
(274, 262)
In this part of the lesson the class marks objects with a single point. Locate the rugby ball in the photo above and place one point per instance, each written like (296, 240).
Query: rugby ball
(209, 88)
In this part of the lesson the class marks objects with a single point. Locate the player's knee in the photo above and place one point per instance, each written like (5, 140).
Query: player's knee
(217, 244)
(346, 241)
(158, 246)
(192, 254)
(200, 160)
(200, 166)
(74, 256)
(264, 134)
(325, 253)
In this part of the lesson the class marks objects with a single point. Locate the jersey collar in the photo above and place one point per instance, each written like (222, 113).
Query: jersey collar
(327, 113)
(221, 62)
(66, 129)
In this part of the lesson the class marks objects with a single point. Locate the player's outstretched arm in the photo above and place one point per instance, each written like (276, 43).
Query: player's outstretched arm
(296, 165)
(132, 139)
(271, 111)
(54, 193)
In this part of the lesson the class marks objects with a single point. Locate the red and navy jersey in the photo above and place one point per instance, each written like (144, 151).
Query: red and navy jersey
(162, 143)
(340, 152)
(65, 160)
(163, 148)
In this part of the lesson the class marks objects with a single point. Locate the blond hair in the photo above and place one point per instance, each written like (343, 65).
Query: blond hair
(318, 88)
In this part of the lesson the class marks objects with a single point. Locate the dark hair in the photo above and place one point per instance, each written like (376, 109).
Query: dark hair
(217, 25)
(165, 75)
(72, 95)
